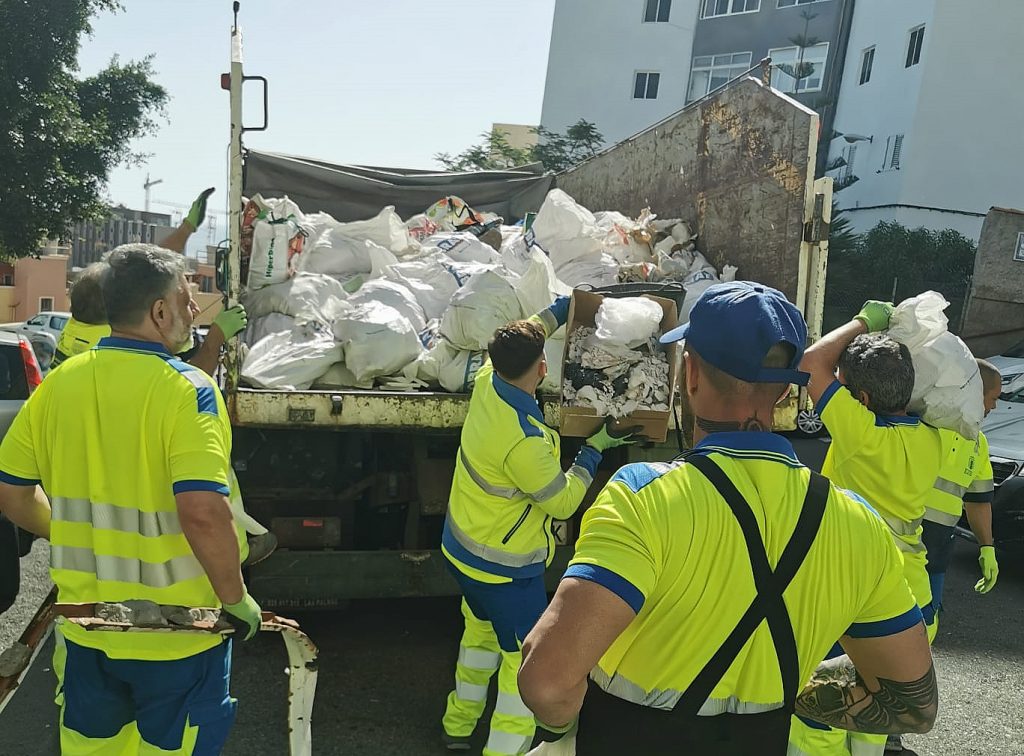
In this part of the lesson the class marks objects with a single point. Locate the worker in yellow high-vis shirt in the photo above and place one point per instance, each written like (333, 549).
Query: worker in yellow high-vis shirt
(508, 487)
(965, 482)
(881, 452)
(705, 592)
(131, 447)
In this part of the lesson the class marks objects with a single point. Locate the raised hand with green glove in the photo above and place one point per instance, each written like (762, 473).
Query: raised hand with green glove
(875, 315)
(989, 569)
(197, 213)
(232, 321)
(245, 616)
(610, 436)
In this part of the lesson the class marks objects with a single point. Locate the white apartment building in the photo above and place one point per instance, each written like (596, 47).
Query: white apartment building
(620, 64)
(932, 110)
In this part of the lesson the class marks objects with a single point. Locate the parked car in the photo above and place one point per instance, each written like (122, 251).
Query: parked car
(50, 322)
(19, 376)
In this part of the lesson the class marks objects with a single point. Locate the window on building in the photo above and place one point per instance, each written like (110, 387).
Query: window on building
(206, 284)
(45, 305)
(867, 59)
(714, 8)
(709, 72)
(793, 3)
(657, 11)
(798, 69)
(893, 149)
(645, 85)
(849, 155)
(8, 279)
(914, 46)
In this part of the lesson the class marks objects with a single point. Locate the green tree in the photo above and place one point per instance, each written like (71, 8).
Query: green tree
(555, 151)
(62, 134)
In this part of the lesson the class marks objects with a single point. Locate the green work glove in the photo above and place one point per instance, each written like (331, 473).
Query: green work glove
(197, 213)
(609, 437)
(245, 616)
(875, 315)
(232, 321)
(989, 569)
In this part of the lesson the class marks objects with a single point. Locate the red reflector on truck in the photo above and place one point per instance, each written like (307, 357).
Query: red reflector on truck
(225, 82)
(312, 523)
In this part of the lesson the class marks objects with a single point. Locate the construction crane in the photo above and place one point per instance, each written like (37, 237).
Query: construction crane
(149, 185)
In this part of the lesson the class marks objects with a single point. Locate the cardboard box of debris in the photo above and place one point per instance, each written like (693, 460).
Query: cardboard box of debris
(584, 421)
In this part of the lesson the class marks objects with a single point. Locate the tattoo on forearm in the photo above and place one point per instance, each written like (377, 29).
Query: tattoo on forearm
(838, 696)
(724, 426)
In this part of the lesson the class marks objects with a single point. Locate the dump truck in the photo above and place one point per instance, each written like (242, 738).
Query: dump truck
(355, 484)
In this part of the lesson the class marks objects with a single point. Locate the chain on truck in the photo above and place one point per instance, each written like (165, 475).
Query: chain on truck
(355, 483)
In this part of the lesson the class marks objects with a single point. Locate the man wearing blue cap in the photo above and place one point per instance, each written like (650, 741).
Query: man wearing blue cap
(705, 592)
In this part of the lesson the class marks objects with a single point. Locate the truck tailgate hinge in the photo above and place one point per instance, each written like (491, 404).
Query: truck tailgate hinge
(816, 229)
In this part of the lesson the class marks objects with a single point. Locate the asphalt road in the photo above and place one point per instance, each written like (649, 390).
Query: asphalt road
(386, 667)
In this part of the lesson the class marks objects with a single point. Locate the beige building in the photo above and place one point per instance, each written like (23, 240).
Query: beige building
(31, 285)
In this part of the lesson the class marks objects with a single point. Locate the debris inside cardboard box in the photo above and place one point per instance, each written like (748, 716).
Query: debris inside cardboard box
(614, 381)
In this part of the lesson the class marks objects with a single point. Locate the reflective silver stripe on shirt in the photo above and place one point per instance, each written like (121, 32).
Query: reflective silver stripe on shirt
(478, 658)
(110, 517)
(126, 570)
(903, 529)
(550, 322)
(982, 486)
(620, 687)
(941, 518)
(196, 377)
(496, 556)
(950, 487)
(552, 489)
(505, 493)
(583, 474)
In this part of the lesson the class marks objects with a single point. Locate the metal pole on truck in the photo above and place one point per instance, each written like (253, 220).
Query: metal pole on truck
(234, 257)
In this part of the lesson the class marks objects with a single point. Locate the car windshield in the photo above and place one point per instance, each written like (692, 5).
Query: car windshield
(1014, 391)
(38, 320)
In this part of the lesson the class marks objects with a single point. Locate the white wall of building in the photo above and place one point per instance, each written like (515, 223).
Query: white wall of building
(959, 110)
(597, 46)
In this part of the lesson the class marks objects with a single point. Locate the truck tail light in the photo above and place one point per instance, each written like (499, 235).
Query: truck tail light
(32, 373)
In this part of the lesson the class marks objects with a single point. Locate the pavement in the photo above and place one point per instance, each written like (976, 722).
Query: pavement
(386, 667)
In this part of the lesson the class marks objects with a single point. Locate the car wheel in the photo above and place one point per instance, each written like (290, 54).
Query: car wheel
(809, 424)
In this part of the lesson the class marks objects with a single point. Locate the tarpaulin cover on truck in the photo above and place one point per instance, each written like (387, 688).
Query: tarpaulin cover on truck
(354, 192)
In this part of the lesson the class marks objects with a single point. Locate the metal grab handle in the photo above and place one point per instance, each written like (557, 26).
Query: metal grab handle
(266, 103)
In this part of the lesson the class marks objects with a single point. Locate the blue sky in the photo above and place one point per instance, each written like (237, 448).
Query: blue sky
(385, 82)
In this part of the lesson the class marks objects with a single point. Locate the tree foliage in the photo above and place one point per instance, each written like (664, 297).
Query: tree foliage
(62, 134)
(893, 262)
(555, 151)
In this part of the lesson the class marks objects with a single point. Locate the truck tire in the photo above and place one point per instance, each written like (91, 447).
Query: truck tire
(10, 564)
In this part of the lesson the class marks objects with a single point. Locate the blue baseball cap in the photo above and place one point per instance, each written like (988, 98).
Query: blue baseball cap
(733, 325)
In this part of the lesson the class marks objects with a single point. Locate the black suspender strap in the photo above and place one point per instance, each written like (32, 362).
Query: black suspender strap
(768, 603)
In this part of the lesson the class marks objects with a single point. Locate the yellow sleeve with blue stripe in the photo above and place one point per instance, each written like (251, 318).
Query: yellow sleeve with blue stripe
(982, 488)
(618, 548)
(538, 474)
(19, 465)
(849, 423)
(199, 446)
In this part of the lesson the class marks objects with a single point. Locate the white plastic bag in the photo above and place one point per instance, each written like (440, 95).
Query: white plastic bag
(277, 239)
(291, 360)
(484, 304)
(378, 340)
(430, 280)
(461, 247)
(340, 377)
(566, 230)
(446, 366)
(553, 351)
(340, 248)
(948, 390)
(627, 322)
(261, 327)
(394, 295)
(538, 286)
(306, 296)
(598, 269)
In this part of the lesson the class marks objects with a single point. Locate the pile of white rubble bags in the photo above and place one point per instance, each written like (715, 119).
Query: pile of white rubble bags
(387, 304)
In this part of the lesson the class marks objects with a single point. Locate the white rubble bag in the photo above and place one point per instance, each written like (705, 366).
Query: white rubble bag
(487, 302)
(622, 236)
(291, 360)
(948, 390)
(378, 339)
(340, 248)
(553, 350)
(430, 279)
(566, 230)
(461, 246)
(263, 326)
(700, 278)
(277, 238)
(538, 285)
(394, 295)
(340, 377)
(597, 270)
(305, 295)
(446, 366)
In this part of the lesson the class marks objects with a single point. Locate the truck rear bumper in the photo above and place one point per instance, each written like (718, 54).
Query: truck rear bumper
(314, 579)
